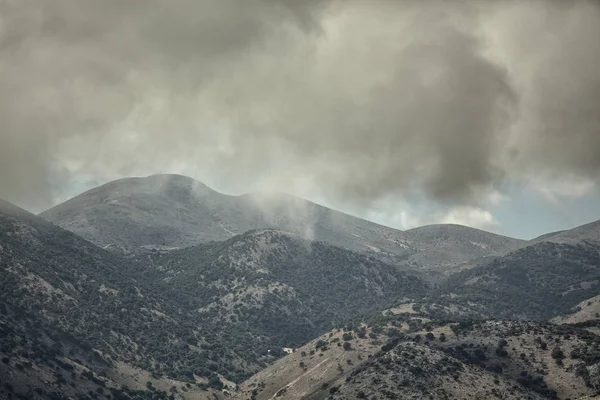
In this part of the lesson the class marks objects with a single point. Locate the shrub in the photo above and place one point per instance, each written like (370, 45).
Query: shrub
(215, 382)
(557, 353)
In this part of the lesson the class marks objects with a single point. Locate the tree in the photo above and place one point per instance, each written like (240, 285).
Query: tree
(215, 382)
(557, 353)
(347, 346)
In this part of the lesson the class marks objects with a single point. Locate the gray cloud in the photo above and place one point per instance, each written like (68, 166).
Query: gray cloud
(351, 101)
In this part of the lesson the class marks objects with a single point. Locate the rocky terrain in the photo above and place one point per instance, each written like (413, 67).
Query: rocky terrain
(40, 361)
(539, 281)
(588, 232)
(412, 357)
(171, 211)
(482, 360)
(161, 288)
(216, 311)
(587, 310)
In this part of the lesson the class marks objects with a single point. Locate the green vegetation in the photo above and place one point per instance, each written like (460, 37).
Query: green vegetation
(200, 311)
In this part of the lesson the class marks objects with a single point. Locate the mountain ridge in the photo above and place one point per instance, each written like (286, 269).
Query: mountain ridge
(172, 211)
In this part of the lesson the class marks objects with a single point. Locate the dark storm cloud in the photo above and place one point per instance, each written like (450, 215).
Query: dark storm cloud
(355, 101)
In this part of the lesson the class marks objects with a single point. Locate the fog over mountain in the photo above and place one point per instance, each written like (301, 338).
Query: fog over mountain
(167, 212)
(406, 112)
(299, 199)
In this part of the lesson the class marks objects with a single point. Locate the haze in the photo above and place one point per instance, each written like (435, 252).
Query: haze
(403, 112)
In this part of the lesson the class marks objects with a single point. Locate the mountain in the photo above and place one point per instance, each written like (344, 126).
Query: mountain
(416, 358)
(218, 310)
(440, 246)
(588, 232)
(587, 310)
(539, 281)
(40, 361)
(194, 322)
(76, 318)
(315, 367)
(278, 288)
(10, 209)
(481, 360)
(172, 211)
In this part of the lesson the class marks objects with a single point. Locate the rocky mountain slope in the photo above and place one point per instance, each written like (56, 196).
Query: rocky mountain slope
(316, 367)
(416, 358)
(482, 360)
(587, 310)
(539, 281)
(443, 246)
(588, 232)
(77, 318)
(220, 310)
(171, 211)
(40, 361)
(196, 291)
(175, 211)
(281, 288)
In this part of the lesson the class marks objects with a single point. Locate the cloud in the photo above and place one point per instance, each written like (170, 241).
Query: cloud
(470, 216)
(364, 104)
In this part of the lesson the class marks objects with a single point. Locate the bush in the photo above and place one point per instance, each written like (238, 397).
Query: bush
(215, 382)
(557, 353)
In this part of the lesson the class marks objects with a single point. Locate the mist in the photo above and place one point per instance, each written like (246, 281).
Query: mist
(375, 107)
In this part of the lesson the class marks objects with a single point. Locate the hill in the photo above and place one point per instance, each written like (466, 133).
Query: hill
(40, 361)
(73, 314)
(222, 309)
(587, 310)
(195, 320)
(482, 360)
(443, 246)
(170, 211)
(281, 289)
(415, 358)
(588, 232)
(539, 281)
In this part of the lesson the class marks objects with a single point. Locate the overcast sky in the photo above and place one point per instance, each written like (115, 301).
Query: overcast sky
(404, 112)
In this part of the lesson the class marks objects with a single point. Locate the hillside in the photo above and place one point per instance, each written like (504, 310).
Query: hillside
(442, 246)
(217, 310)
(588, 232)
(540, 281)
(172, 211)
(482, 360)
(587, 310)
(73, 314)
(414, 358)
(169, 211)
(194, 319)
(40, 361)
(281, 288)
(316, 367)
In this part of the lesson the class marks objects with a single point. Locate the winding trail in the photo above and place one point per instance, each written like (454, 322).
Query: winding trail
(292, 383)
